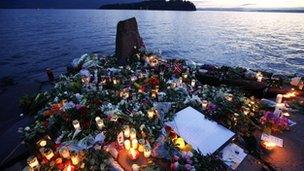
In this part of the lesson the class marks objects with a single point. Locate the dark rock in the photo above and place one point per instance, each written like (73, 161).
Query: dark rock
(128, 40)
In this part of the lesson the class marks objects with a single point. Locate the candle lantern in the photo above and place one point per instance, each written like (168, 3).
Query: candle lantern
(75, 158)
(64, 152)
(279, 98)
(132, 133)
(33, 162)
(133, 154)
(99, 122)
(141, 144)
(134, 144)
(126, 131)
(127, 144)
(76, 125)
(48, 153)
(42, 143)
(147, 151)
(204, 104)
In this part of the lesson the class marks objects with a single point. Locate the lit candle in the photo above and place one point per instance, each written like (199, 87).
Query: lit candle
(126, 131)
(42, 143)
(141, 144)
(127, 144)
(48, 153)
(185, 75)
(204, 104)
(246, 111)
(134, 144)
(147, 151)
(64, 152)
(99, 122)
(290, 95)
(32, 161)
(151, 113)
(133, 154)
(279, 98)
(76, 125)
(193, 82)
(115, 81)
(269, 145)
(69, 168)
(259, 77)
(153, 94)
(75, 158)
(132, 133)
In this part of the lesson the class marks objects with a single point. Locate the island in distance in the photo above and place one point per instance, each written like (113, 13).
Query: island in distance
(177, 5)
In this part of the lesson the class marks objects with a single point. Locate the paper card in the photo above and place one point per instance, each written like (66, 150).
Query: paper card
(277, 141)
(233, 155)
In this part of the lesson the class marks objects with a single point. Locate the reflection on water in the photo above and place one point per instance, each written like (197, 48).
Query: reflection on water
(32, 40)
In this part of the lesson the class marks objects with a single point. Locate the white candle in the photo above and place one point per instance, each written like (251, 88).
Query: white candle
(127, 144)
(193, 82)
(126, 131)
(132, 133)
(279, 98)
(99, 122)
(204, 104)
(76, 124)
(32, 161)
(134, 144)
(147, 151)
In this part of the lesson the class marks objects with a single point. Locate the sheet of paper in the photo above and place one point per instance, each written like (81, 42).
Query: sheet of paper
(273, 139)
(233, 155)
(200, 132)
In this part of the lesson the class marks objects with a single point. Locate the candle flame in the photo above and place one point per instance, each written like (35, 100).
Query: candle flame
(269, 145)
(290, 94)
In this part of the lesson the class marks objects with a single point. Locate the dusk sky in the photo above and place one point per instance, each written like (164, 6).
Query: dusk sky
(248, 3)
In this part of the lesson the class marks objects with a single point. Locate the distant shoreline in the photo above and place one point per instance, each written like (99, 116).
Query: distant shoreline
(199, 9)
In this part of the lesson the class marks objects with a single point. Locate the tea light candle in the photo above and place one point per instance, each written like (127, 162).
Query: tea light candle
(42, 143)
(69, 168)
(204, 104)
(33, 162)
(126, 131)
(48, 153)
(132, 133)
(134, 144)
(141, 144)
(99, 122)
(193, 82)
(147, 151)
(64, 152)
(133, 154)
(76, 125)
(279, 98)
(127, 144)
(75, 158)
(153, 94)
(115, 81)
(151, 113)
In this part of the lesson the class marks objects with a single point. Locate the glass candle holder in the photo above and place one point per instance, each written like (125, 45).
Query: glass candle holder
(126, 131)
(48, 153)
(33, 162)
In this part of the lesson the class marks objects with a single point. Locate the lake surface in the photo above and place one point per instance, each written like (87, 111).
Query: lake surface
(32, 40)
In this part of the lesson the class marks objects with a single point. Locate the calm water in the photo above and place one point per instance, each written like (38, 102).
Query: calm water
(31, 40)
